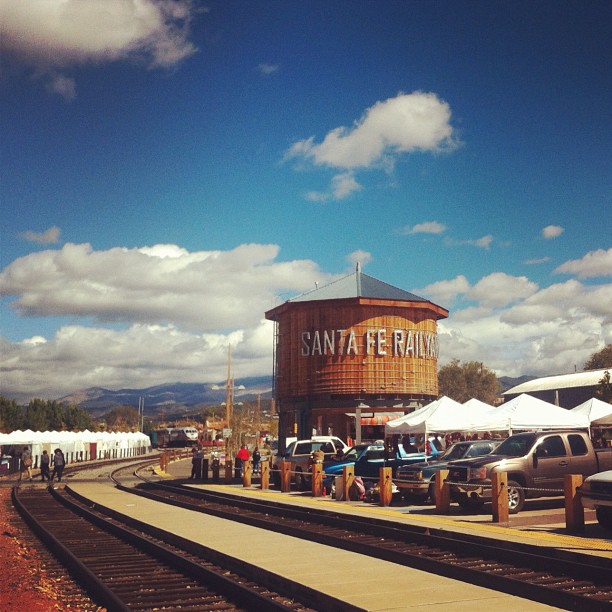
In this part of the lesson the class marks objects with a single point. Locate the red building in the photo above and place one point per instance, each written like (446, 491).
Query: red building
(357, 345)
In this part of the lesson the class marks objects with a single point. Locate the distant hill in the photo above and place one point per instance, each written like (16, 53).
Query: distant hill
(508, 382)
(168, 397)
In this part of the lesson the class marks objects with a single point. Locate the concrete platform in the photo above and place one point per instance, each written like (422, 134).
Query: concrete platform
(368, 583)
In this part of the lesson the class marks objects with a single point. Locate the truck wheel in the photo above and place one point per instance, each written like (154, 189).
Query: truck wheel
(516, 497)
(604, 516)
(276, 479)
(470, 504)
(432, 493)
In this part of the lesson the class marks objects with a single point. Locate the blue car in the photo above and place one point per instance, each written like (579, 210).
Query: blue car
(368, 459)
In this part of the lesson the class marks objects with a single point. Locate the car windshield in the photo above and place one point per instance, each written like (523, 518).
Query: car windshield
(516, 446)
(354, 453)
(456, 451)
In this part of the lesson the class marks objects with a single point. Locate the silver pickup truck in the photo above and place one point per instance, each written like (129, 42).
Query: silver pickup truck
(536, 464)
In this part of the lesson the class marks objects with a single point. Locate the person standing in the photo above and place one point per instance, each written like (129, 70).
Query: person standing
(45, 462)
(256, 460)
(241, 457)
(59, 461)
(26, 463)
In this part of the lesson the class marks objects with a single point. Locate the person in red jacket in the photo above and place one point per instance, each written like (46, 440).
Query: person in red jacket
(241, 456)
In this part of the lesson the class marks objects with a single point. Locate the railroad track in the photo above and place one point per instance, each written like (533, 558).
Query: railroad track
(567, 581)
(123, 569)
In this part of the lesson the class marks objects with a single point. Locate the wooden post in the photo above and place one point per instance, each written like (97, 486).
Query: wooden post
(499, 496)
(348, 476)
(204, 469)
(247, 473)
(285, 475)
(574, 511)
(385, 484)
(216, 468)
(229, 470)
(265, 475)
(442, 492)
(317, 479)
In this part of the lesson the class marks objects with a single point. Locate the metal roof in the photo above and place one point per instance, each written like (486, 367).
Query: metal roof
(358, 285)
(563, 381)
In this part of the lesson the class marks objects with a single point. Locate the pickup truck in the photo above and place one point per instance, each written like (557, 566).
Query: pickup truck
(596, 492)
(416, 480)
(299, 454)
(536, 464)
(368, 459)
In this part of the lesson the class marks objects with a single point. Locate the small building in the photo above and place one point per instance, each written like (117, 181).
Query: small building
(355, 348)
(565, 390)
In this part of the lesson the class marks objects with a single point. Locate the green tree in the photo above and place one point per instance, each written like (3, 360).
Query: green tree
(11, 415)
(600, 360)
(122, 418)
(471, 379)
(604, 389)
(76, 418)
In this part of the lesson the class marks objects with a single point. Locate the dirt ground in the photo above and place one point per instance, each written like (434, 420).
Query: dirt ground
(27, 582)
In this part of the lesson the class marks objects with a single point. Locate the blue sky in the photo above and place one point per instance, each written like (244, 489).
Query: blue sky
(170, 173)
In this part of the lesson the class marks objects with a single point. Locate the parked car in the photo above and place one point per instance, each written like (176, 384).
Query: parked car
(299, 455)
(417, 480)
(596, 493)
(368, 459)
(536, 464)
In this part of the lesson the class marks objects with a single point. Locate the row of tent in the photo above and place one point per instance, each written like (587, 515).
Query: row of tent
(76, 446)
(524, 412)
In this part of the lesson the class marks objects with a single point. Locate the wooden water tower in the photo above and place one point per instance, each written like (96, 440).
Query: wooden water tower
(357, 344)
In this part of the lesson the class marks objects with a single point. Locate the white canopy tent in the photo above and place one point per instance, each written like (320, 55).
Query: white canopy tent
(441, 416)
(599, 413)
(526, 412)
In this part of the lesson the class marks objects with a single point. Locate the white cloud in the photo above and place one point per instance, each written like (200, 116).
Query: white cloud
(551, 231)
(50, 37)
(595, 263)
(409, 122)
(205, 290)
(49, 236)
(499, 289)
(268, 68)
(532, 262)
(428, 227)
(359, 256)
(481, 243)
(446, 291)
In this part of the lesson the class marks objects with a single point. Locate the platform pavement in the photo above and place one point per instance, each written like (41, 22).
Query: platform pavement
(370, 584)
(545, 535)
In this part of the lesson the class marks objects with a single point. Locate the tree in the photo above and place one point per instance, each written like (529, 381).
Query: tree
(471, 379)
(122, 418)
(600, 360)
(604, 389)
(11, 415)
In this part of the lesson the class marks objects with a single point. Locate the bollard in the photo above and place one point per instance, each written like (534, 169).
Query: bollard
(317, 479)
(204, 469)
(348, 476)
(499, 497)
(285, 476)
(229, 475)
(265, 475)
(385, 484)
(442, 492)
(574, 511)
(247, 473)
(216, 468)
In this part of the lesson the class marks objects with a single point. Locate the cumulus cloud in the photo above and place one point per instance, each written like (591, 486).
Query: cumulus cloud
(446, 291)
(540, 260)
(499, 289)
(428, 227)
(51, 37)
(49, 236)
(407, 123)
(551, 231)
(204, 290)
(481, 243)
(595, 263)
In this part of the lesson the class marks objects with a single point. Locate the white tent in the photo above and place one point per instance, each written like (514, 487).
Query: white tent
(442, 415)
(527, 413)
(598, 412)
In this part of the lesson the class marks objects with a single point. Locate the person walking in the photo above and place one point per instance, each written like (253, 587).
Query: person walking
(45, 462)
(26, 463)
(59, 461)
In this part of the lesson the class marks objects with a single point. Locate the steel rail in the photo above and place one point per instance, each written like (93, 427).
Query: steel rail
(570, 581)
